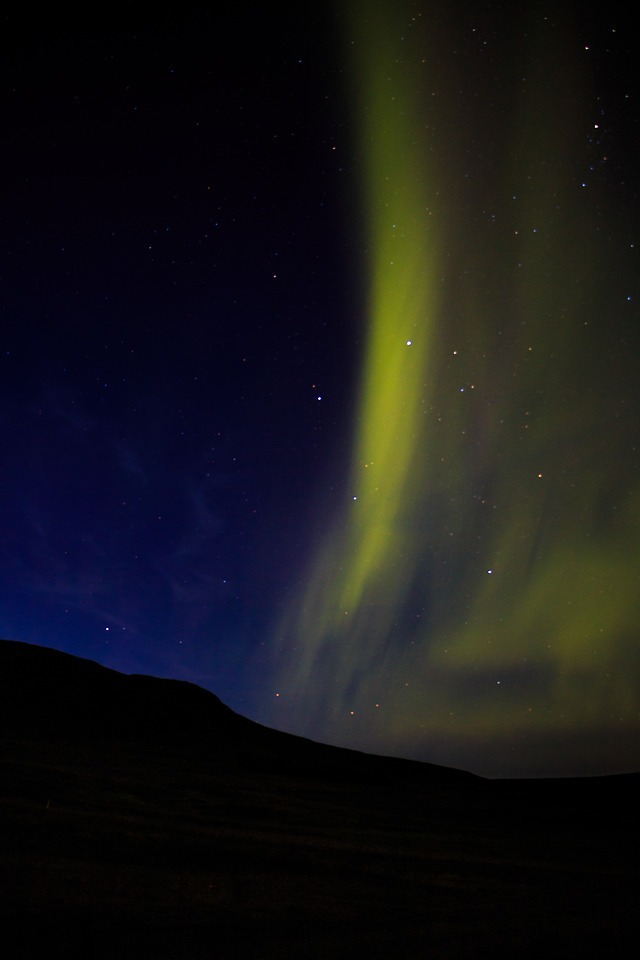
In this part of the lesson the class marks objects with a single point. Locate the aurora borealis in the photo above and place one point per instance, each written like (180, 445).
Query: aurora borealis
(480, 592)
(319, 349)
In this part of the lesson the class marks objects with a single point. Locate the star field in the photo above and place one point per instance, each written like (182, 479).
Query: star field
(318, 369)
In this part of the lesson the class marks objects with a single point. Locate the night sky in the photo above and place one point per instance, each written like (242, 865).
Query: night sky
(319, 350)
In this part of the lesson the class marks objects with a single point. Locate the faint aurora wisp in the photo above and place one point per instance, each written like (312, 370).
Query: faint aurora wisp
(481, 586)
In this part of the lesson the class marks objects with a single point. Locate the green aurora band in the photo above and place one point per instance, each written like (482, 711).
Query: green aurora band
(479, 594)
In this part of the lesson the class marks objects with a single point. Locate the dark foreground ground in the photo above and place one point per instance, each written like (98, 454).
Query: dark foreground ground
(249, 846)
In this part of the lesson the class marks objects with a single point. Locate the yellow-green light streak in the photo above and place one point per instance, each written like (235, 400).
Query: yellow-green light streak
(402, 308)
(368, 560)
(482, 583)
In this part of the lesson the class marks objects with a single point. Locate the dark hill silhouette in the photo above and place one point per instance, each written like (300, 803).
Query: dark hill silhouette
(144, 818)
(50, 695)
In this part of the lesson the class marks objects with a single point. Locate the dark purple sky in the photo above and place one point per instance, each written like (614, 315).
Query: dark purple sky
(174, 300)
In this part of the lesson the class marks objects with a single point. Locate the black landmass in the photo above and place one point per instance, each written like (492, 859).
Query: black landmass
(143, 818)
